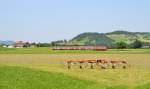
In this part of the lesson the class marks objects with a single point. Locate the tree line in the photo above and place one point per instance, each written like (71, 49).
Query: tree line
(136, 44)
(116, 45)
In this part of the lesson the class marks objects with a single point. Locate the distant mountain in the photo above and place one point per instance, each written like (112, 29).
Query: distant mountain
(109, 38)
(7, 42)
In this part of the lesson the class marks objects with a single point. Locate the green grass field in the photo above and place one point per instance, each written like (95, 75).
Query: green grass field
(42, 68)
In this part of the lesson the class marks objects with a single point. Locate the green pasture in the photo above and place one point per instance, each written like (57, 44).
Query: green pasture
(22, 69)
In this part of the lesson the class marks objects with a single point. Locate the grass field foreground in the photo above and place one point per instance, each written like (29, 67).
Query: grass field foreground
(46, 71)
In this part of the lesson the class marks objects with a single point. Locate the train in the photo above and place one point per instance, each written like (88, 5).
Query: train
(96, 48)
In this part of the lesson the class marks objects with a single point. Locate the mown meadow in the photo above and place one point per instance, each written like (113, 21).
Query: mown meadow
(43, 68)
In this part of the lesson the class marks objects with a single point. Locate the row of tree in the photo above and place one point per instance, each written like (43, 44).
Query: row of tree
(53, 43)
(118, 45)
(135, 44)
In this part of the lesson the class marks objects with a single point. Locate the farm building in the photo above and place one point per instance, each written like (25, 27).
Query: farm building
(97, 48)
(21, 44)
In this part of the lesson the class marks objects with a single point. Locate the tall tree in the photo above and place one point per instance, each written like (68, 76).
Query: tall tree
(121, 45)
(137, 44)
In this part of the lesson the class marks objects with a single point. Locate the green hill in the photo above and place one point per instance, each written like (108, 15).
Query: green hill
(91, 39)
(129, 37)
(109, 38)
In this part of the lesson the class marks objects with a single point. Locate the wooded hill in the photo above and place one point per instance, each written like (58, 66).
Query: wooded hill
(110, 38)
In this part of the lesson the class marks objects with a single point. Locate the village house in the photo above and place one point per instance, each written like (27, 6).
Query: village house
(19, 44)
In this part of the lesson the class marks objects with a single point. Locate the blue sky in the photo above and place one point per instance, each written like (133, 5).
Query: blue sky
(47, 20)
